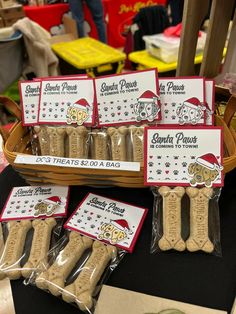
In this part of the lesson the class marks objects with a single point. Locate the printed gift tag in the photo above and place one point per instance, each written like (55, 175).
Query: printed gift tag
(36, 202)
(128, 98)
(29, 95)
(69, 101)
(108, 220)
(183, 101)
(189, 156)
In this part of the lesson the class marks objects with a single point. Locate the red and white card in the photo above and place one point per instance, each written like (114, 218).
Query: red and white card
(191, 156)
(29, 202)
(108, 220)
(67, 101)
(210, 101)
(128, 98)
(183, 101)
(29, 96)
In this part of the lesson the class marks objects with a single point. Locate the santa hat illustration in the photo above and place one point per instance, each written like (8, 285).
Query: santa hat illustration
(194, 103)
(122, 224)
(208, 110)
(148, 96)
(55, 200)
(209, 161)
(81, 104)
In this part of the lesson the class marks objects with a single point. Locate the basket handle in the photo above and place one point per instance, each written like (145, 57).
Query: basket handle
(230, 110)
(14, 109)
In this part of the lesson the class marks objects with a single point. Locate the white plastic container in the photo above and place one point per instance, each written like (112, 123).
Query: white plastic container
(167, 48)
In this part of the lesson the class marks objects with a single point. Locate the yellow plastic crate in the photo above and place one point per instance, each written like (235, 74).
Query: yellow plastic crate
(145, 61)
(87, 55)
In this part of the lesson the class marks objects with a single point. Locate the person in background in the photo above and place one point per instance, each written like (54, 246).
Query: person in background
(176, 11)
(96, 9)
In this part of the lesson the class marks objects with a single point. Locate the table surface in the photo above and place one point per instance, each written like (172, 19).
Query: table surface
(145, 60)
(195, 278)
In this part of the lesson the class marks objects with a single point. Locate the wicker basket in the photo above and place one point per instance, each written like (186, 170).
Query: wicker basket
(18, 139)
(229, 134)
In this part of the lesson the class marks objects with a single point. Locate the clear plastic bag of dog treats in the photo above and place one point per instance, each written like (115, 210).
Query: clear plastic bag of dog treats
(110, 143)
(186, 218)
(61, 141)
(136, 142)
(76, 269)
(25, 243)
(123, 143)
(99, 144)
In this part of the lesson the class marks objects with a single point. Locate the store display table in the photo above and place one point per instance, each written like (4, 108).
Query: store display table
(145, 61)
(195, 278)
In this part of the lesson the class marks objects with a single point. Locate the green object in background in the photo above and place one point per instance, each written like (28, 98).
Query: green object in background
(13, 92)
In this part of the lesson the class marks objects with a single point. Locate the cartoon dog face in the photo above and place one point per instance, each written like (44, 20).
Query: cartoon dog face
(146, 111)
(201, 174)
(189, 115)
(75, 115)
(43, 208)
(110, 233)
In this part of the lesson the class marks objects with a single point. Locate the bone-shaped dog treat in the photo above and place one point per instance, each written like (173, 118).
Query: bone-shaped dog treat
(40, 244)
(118, 142)
(54, 278)
(10, 261)
(100, 145)
(171, 238)
(56, 138)
(80, 291)
(77, 141)
(43, 138)
(199, 238)
(136, 134)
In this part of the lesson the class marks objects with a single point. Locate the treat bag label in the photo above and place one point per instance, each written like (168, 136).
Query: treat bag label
(29, 95)
(36, 202)
(128, 98)
(191, 156)
(183, 101)
(108, 220)
(69, 101)
(210, 101)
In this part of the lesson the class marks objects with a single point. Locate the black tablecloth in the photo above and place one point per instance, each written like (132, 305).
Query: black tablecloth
(195, 278)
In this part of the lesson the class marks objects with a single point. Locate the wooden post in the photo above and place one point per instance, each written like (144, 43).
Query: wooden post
(221, 12)
(194, 13)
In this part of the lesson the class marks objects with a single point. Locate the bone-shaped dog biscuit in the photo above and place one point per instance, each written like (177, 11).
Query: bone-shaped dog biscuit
(136, 134)
(77, 142)
(40, 244)
(171, 238)
(14, 246)
(43, 138)
(118, 143)
(80, 291)
(56, 138)
(100, 145)
(199, 202)
(54, 278)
